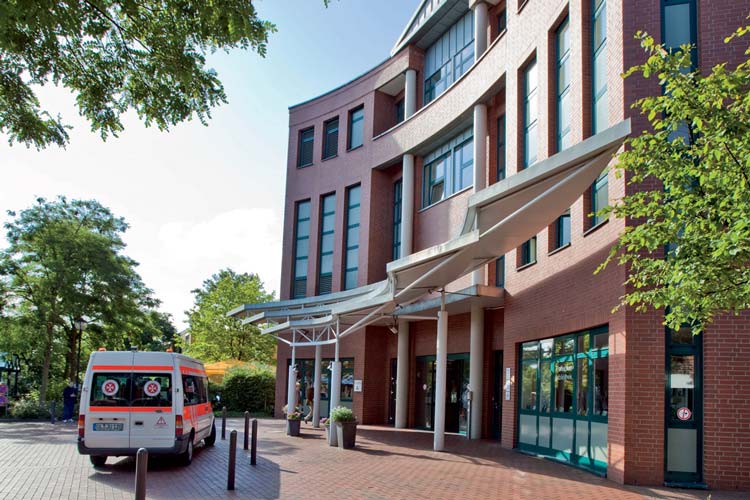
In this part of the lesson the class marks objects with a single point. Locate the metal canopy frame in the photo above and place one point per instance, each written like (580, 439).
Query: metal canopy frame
(498, 219)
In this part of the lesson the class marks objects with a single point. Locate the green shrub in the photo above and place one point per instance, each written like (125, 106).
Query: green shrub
(28, 407)
(246, 390)
(342, 414)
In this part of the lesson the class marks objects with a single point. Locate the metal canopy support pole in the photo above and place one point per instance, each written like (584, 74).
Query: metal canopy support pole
(291, 395)
(335, 386)
(441, 356)
(316, 384)
(402, 374)
(336, 377)
(476, 364)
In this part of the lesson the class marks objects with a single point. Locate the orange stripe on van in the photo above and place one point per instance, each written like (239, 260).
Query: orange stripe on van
(197, 371)
(138, 368)
(134, 409)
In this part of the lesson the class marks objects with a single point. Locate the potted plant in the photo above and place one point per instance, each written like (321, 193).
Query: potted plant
(346, 426)
(293, 420)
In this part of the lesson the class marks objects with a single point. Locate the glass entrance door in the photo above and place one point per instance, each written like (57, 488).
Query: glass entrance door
(456, 393)
(684, 411)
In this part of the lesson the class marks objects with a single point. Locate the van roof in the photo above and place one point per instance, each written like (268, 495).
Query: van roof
(146, 357)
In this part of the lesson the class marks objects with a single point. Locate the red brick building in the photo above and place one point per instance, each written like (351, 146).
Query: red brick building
(478, 98)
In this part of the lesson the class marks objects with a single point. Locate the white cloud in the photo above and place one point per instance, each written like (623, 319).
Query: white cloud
(181, 254)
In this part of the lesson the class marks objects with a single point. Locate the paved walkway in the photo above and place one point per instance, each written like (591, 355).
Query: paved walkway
(40, 461)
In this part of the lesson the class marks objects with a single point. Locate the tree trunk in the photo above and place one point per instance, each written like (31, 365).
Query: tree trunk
(46, 364)
(71, 355)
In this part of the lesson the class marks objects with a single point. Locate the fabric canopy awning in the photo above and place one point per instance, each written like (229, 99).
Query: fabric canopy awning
(498, 219)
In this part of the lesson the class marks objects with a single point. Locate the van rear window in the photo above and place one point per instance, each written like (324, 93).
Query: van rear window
(110, 389)
(131, 389)
(150, 389)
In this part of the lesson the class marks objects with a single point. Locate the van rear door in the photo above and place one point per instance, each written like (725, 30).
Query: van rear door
(152, 414)
(108, 419)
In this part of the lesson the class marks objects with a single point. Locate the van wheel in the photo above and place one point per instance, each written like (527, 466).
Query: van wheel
(97, 460)
(211, 438)
(186, 457)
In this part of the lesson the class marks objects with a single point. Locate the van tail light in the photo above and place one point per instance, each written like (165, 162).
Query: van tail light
(81, 426)
(178, 425)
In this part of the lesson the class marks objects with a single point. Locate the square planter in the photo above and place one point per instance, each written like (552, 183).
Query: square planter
(292, 427)
(346, 433)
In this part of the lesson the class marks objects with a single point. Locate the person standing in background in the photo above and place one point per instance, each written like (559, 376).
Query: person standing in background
(69, 401)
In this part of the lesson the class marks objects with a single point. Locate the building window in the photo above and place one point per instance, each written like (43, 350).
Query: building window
(463, 61)
(678, 26)
(305, 154)
(327, 225)
(530, 114)
(599, 197)
(448, 169)
(502, 21)
(500, 272)
(356, 127)
(351, 264)
(400, 110)
(463, 166)
(331, 138)
(563, 400)
(599, 110)
(564, 96)
(500, 148)
(527, 252)
(562, 230)
(449, 57)
(301, 249)
(397, 201)
(306, 377)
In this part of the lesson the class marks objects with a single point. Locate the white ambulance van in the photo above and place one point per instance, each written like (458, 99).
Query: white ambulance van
(153, 400)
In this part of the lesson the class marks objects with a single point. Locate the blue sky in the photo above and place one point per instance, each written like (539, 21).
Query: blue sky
(198, 198)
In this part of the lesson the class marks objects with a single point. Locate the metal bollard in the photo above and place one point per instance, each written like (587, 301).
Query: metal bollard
(52, 412)
(247, 430)
(254, 447)
(232, 459)
(141, 467)
(224, 423)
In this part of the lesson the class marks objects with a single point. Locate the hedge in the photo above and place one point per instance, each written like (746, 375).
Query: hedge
(246, 390)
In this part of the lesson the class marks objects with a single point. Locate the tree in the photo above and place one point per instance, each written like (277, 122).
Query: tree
(214, 336)
(64, 261)
(687, 242)
(117, 55)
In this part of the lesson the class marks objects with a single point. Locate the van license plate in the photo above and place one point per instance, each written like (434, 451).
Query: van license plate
(108, 427)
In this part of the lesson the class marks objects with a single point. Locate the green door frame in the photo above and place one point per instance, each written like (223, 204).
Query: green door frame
(695, 349)
(589, 355)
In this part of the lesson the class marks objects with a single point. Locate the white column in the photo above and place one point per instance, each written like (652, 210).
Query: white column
(476, 364)
(402, 374)
(407, 204)
(440, 378)
(480, 28)
(410, 93)
(316, 385)
(480, 165)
